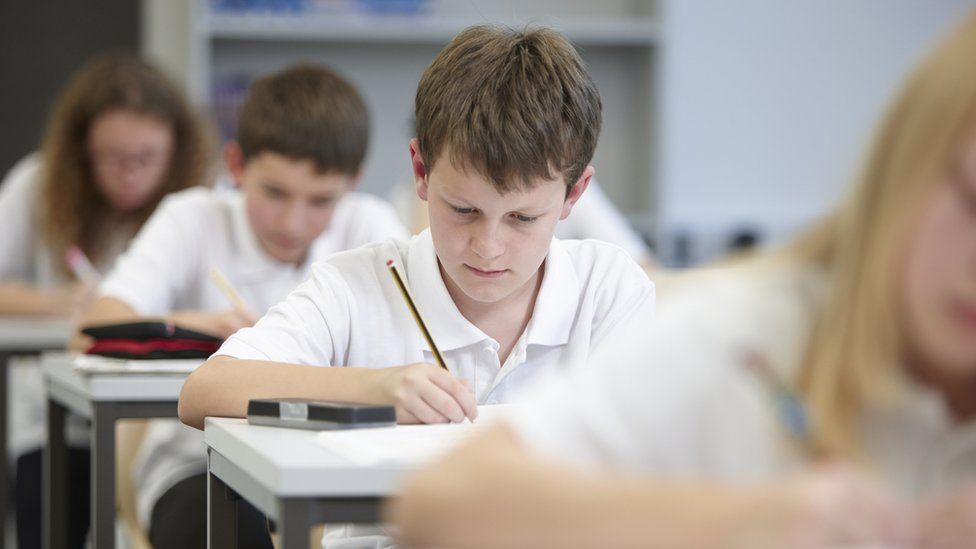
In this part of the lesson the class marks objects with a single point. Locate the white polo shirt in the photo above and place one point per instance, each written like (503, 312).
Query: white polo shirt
(673, 395)
(350, 313)
(167, 267)
(26, 257)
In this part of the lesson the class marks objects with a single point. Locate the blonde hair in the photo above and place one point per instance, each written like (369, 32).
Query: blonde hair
(71, 209)
(856, 346)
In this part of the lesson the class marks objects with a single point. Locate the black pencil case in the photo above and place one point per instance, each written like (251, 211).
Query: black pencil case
(318, 415)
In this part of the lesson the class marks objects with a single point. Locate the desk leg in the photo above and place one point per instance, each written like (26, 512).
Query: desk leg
(295, 524)
(4, 466)
(103, 475)
(221, 513)
(55, 480)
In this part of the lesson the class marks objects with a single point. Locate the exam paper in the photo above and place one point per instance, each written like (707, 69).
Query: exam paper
(407, 444)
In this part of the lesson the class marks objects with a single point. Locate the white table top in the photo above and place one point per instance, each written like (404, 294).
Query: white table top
(33, 333)
(289, 463)
(61, 376)
(297, 462)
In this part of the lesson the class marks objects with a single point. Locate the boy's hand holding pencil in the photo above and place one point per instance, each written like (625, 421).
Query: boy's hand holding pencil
(424, 393)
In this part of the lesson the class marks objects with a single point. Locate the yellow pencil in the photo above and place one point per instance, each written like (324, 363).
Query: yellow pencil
(416, 314)
(225, 286)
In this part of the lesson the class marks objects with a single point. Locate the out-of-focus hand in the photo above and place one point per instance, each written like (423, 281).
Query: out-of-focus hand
(72, 299)
(834, 506)
(948, 522)
(223, 324)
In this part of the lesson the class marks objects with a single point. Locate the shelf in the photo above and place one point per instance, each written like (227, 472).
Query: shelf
(641, 31)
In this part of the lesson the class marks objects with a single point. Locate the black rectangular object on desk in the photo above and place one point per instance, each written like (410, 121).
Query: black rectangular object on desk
(145, 330)
(318, 414)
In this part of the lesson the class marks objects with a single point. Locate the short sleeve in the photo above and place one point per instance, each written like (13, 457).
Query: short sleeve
(625, 292)
(311, 326)
(367, 219)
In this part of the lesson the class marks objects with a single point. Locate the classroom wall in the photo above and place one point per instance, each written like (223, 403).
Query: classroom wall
(41, 43)
(766, 105)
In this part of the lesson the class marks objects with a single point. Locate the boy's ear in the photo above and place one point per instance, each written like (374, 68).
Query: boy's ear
(234, 160)
(419, 169)
(576, 191)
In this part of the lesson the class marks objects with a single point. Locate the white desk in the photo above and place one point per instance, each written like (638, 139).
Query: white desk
(22, 336)
(290, 478)
(33, 334)
(300, 482)
(103, 399)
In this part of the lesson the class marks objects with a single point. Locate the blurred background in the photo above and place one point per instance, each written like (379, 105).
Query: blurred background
(725, 123)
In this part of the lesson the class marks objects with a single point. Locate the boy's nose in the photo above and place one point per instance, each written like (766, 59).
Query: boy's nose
(486, 242)
(292, 220)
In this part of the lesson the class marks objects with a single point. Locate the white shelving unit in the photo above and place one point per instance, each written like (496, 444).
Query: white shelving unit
(641, 31)
(385, 56)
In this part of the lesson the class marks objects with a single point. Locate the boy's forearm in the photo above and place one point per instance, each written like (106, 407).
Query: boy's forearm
(222, 386)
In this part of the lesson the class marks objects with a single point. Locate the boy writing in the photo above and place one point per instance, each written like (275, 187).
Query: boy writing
(507, 123)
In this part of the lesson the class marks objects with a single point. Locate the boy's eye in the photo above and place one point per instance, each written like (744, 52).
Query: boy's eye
(273, 192)
(322, 202)
(524, 218)
(463, 211)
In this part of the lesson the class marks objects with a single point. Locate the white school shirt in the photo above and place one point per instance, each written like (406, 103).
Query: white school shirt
(25, 257)
(351, 313)
(672, 395)
(167, 269)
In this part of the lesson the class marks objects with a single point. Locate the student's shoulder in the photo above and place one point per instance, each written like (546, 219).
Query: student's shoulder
(200, 204)
(357, 209)
(598, 261)
(24, 176)
(362, 265)
(363, 202)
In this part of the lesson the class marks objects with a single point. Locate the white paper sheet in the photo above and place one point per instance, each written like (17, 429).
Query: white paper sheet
(411, 444)
(90, 364)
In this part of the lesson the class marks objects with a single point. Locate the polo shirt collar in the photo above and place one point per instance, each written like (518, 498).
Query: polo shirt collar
(448, 327)
(558, 298)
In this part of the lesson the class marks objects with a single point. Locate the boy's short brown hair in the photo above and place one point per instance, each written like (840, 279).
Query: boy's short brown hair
(305, 112)
(513, 105)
